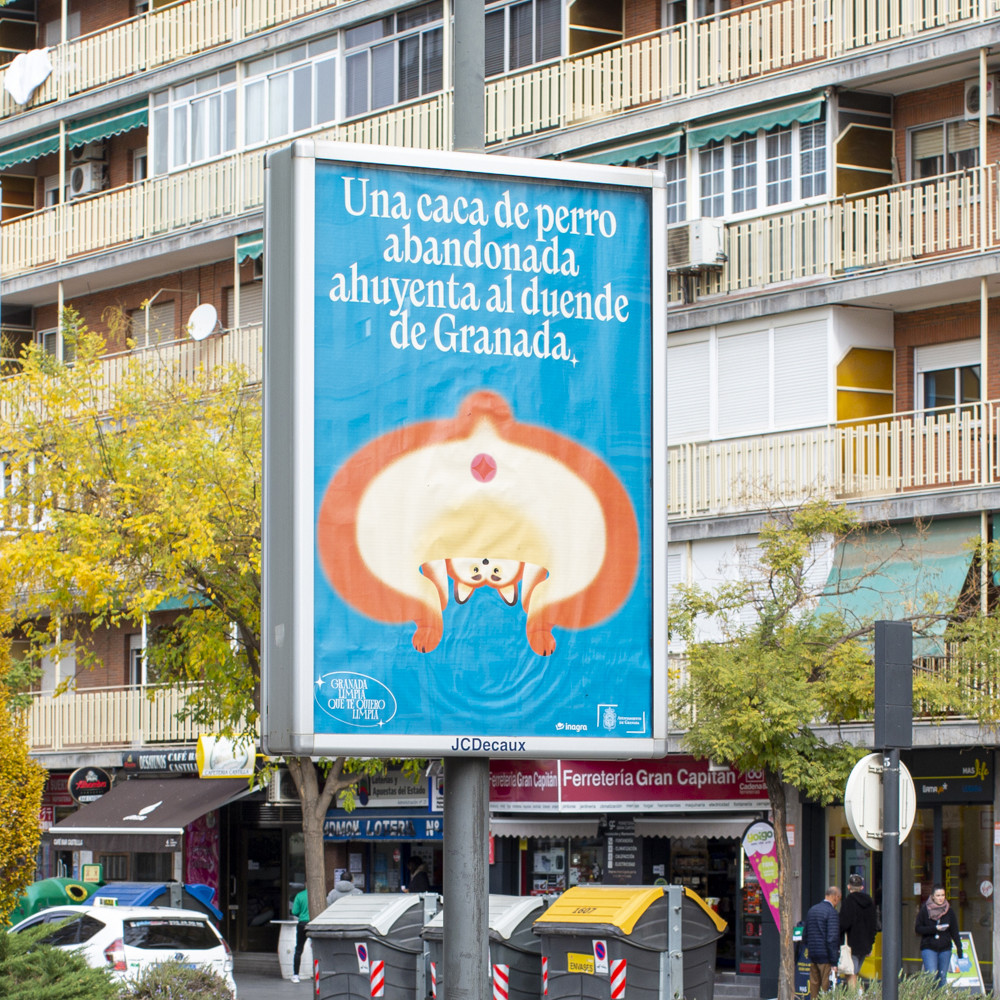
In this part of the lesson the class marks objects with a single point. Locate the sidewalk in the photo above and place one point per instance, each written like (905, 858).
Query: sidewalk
(261, 986)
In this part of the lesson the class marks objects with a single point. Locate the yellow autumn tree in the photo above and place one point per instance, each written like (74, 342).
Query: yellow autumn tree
(137, 483)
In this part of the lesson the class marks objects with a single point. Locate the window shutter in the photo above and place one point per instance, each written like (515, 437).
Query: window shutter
(928, 142)
(801, 375)
(744, 383)
(688, 384)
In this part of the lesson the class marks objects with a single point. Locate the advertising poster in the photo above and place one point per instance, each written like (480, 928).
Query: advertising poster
(761, 849)
(965, 972)
(482, 457)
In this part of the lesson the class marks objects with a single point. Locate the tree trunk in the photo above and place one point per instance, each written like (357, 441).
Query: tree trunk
(786, 968)
(316, 795)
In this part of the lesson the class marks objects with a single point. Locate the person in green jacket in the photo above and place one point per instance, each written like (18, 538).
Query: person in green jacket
(300, 910)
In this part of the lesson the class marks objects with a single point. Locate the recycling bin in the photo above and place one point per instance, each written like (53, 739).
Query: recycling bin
(515, 950)
(369, 945)
(643, 942)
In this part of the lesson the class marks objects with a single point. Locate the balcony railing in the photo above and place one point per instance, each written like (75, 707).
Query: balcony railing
(97, 718)
(222, 189)
(948, 216)
(744, 43)
(155, 39)
(941, 449)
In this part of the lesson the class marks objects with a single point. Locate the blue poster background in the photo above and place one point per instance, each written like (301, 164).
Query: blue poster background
(483, 678)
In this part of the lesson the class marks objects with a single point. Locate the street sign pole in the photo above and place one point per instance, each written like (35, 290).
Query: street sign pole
(893, 731)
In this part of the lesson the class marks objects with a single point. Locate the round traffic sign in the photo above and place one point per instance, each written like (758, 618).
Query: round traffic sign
(863, 802)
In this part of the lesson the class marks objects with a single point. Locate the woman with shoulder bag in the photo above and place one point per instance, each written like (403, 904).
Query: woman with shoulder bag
(937, 926)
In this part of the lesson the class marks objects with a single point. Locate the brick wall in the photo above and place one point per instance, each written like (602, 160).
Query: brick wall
(957, 321)
(94, 14)
(924, 107)
(641, 17)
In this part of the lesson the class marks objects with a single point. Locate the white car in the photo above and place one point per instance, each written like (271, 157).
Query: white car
(126, 940)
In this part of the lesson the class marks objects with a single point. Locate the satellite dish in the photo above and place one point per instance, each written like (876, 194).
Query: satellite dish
(203, 321)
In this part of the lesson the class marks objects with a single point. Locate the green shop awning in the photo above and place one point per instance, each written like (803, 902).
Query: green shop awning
(667, 145)
(29, 151)
(249, 245)
(900, 572)
(810, 111)
(94, 129)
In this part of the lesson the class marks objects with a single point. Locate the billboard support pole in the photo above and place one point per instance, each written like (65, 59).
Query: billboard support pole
(466, 897)
(466, 797)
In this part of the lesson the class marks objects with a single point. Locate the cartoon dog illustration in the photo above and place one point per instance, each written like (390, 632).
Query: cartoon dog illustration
(400, 517)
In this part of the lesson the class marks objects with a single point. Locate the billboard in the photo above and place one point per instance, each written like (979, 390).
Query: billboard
(464, 512)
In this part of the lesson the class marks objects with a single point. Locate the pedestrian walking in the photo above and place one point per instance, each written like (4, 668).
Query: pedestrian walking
(937, 926)
(822, 934)
(300, 910)
(859, 923)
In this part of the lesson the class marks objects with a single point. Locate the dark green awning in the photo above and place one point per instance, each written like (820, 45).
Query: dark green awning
(666, 145)
(810, 111)
(902, 572)
(249, 245)
(94, 129)
(29, 151)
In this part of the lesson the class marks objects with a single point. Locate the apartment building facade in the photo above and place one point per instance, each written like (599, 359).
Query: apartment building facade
(834, 228)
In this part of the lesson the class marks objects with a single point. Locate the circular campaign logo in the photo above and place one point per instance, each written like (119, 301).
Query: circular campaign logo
(355, 699)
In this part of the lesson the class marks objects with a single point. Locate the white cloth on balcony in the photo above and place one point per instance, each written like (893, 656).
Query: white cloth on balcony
(26, 74)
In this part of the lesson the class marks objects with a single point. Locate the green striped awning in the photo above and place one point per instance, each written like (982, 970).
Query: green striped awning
(29, 151)
(249, 245)
(665, 145)
(94, 129)
(810, 111)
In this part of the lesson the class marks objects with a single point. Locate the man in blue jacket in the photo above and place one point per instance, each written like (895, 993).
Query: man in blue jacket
(822, 935)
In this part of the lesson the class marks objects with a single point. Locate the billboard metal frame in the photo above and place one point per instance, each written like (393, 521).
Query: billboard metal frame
(290, 557)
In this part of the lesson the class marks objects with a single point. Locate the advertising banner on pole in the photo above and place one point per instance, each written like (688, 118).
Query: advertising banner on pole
(761, 849)
(464, 447)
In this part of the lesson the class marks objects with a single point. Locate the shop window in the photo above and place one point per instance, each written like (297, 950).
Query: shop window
(943, 148)
(521, 34)
(116, 868)
(150, 867)
(395, 58)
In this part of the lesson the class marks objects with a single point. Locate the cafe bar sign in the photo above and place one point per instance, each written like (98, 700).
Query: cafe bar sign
(88, 784)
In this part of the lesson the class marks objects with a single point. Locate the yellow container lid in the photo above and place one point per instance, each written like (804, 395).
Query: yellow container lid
(612, 905)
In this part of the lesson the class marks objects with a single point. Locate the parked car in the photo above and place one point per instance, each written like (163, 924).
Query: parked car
(127, 939)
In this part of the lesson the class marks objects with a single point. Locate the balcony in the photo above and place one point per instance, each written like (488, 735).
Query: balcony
(902, 453)
(109, 718)
(170, 203)
(156, 39)
(907, 224)
(746, 43)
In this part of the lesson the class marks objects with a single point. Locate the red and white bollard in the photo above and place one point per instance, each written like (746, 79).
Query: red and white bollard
(378, 978)
(501, 982)
(434, 980)
(316, 976)
(545, 975)
(617, 978)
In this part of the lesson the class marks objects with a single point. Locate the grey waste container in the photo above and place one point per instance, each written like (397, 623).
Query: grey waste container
(514, 947)
(370, 942)
(653, 942)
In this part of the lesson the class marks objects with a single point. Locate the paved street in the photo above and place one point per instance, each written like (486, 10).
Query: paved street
(261, 986)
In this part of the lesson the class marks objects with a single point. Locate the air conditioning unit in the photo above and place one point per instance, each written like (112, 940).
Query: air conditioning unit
(973, 98)
(89, 152)
(85, 178)
(697, 246)
(281, 789)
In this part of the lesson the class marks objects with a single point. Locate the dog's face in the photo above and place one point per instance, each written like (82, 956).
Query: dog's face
(471, 574)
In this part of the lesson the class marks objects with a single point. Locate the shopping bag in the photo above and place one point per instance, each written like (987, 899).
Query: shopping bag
(845, 964)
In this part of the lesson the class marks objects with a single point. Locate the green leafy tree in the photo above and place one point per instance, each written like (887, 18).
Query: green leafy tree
(33, 971)
(129, 492)
(770, 692)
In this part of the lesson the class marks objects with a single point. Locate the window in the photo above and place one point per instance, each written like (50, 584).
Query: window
(675, 169)
(140, 165)
(396, 58)
(251, 305)
(290, 91)
(51, 186)
(943, 148)
(154, 325)
(53, 29)
(194, 121)
(947, 374)
(135, 660)
(56, 346)
(746, 173)
(522, 33)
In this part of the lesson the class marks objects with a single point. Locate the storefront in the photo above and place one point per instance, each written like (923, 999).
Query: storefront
(395, 819)
(952, 843)
(556, 824)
